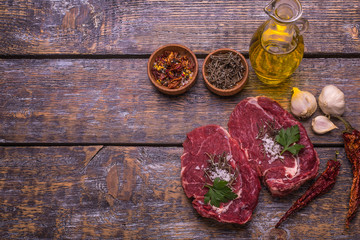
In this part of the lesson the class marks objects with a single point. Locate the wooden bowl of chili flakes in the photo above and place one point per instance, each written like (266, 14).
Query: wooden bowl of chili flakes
(225, 72)
(173, 69)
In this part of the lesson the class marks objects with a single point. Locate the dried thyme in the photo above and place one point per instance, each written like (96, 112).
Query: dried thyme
(224, 70)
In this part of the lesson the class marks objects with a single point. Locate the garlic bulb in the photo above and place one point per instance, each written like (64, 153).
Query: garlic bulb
(332, 101)
(303, 103)
(322, 124)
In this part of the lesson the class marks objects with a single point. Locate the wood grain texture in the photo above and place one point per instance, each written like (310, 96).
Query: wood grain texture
(40, 189)
(135, 192)
(139, 27)
(113, 101)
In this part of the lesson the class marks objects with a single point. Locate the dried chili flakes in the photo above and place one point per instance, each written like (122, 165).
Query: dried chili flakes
(172, 70)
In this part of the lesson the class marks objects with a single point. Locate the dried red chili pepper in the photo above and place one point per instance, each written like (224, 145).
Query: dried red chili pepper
(322, 185)
(351, 138)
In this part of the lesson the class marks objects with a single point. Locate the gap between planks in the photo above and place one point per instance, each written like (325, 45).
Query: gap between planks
(165, 145)
(146, 56)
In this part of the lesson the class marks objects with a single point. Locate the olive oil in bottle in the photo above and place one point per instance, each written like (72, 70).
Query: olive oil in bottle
(274, 62)
(277, 46)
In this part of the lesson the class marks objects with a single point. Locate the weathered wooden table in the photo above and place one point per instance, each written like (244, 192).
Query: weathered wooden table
(90, 149)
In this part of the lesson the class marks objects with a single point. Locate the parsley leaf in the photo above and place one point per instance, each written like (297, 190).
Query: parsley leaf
(219, 193)
(288, 138)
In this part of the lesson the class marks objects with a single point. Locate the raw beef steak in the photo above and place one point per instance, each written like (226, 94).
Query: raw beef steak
(254, 123)
(212, 141)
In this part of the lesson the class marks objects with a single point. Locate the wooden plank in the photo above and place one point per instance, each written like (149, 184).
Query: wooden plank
(40, 189)
(135, 192)
(139, 27)
(113, 101)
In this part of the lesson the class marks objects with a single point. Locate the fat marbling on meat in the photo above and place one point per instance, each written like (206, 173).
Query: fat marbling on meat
(251, 124)
(215, 140)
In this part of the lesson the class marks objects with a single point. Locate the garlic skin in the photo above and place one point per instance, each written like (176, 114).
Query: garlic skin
(332, 101)
(322, 124)
(303, 103)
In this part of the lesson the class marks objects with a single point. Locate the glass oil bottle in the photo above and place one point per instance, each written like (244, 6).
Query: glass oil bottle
(277, 46)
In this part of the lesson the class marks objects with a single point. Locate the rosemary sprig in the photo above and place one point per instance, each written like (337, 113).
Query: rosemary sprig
(221, 163)
(266, 127)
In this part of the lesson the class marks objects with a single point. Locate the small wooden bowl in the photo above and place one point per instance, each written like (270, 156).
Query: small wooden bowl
(238, 87)
(182, 50)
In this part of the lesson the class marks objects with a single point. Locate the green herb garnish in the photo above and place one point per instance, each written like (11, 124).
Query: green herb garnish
(219, 193)
(288, 138)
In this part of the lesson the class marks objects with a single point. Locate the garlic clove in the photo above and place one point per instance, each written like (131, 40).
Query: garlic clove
(322, 124)
(332, 101)
(303, 103)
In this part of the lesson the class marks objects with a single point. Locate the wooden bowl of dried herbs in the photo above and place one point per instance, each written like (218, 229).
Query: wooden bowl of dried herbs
(225, 72)
(173, 69)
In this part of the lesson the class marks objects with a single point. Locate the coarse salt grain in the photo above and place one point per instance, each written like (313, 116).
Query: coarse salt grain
(271, 148)
(220, 173)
